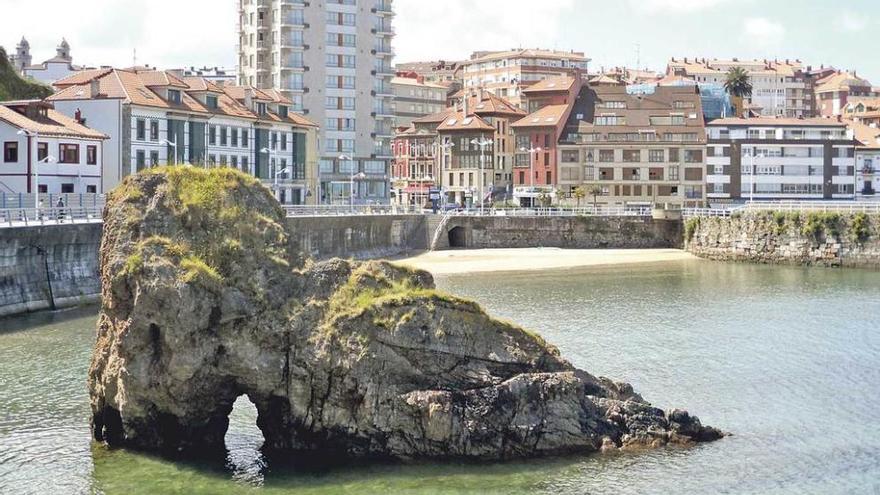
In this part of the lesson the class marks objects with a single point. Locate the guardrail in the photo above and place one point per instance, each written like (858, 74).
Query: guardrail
(28, 217)
(787, 206)
(602, 211)
(345, 210)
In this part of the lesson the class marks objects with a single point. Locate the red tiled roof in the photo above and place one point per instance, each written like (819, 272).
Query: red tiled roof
(53, 124)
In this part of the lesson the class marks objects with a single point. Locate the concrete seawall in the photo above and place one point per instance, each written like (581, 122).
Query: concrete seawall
(809, 239)
(71, 251)
(39, 265)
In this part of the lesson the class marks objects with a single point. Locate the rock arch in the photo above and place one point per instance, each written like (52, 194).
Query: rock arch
(203, 302)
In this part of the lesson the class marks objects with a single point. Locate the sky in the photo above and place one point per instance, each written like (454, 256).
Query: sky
(611, 33)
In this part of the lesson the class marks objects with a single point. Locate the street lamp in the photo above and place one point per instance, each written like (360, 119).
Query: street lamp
(482, 143)
(174, 146)
(532, 151)
(32, 136)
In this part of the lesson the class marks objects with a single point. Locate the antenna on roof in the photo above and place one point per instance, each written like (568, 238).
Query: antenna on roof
(134, 58)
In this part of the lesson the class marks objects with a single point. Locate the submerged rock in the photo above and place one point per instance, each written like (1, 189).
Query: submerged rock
(204, 302)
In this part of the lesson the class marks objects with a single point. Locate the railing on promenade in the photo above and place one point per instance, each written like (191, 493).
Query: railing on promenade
(601, 211)
(870, 207)
(345, 210)
(50, 200)
(29, 217)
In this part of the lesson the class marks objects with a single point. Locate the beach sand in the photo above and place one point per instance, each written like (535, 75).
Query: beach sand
(519, 260)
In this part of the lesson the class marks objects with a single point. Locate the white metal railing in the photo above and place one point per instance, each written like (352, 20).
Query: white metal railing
(347, 210)
(29, 217)
(788, 206)
(601, 211)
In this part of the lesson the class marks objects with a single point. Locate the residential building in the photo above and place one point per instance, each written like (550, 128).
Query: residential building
(506, 73)
(467, 173)
(779, 87)
(216, 75)
(535, 169)
(864, 110)
(333, 60)
(638, 150)
(867, 160)
(48, 152)
(155, 118)
(414, 98)
(57, 67)
(834, 91)
(416, 166)
(438, 72)
(777, 158)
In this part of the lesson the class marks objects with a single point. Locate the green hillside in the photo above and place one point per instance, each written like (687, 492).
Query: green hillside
(13, 87)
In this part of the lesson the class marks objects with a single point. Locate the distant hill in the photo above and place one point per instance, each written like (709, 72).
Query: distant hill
(13, 87)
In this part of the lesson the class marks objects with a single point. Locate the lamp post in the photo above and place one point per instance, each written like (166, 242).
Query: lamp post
(32, 136)
(173, 146)
(342, 158)
(443, 149)
(482, 143)
(532, 151)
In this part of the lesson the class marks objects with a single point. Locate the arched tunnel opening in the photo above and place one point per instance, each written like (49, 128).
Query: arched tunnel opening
(457, 237)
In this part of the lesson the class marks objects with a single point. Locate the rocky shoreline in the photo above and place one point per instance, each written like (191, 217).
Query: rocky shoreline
(204, 302)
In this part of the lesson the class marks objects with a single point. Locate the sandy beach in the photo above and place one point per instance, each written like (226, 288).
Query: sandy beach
(520, 260)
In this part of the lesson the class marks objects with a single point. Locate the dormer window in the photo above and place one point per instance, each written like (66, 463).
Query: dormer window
(261, 108)
(174, 96)
(211, 101)
(283, 111)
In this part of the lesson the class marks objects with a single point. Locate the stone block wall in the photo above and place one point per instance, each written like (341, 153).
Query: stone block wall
(820, 239)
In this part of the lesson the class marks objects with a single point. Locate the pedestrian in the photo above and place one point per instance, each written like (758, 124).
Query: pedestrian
(60, 206)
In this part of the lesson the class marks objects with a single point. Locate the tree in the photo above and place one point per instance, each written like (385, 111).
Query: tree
(595, 191)
(579, 193)
(738, 87)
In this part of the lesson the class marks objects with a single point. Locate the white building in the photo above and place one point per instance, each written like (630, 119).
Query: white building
(45, 151)
(779, 87)
(155, 118)
(57, 67)
(334, 61)
(867, 160)
(775, 159)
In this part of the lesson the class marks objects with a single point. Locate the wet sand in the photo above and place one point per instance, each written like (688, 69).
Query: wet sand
(518, 260)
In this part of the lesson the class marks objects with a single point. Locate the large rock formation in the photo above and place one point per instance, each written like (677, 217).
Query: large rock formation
(202, 303)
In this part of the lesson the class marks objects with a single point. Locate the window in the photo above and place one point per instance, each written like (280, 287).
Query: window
(244, 165)
(42, 151)
(154, 130)
(212, 135)
(141, 130)
(244, 138)
(10, 152)
(140, 160)
(68, 153)
(693, 156)
(656, 156)
(212, 102)
(91, 155)
(234, 135)
(571, 156)
(606, 156)
(174, 96)
(67, 188)
(154, 158)
(632, 155)
(673, 173)
(91, 189)
(223, 135)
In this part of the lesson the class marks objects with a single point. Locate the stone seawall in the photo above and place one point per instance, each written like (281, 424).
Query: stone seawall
(561, 232)
(359, 237)
(39, 265)
(819, 239)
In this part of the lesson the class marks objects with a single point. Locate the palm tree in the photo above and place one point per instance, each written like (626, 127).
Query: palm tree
(738, 87)
(579, 193)
(595, 191)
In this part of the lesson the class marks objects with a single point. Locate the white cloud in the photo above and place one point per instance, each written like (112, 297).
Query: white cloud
(851, 22)
(452, 29)
(673, 6)
(761, 32)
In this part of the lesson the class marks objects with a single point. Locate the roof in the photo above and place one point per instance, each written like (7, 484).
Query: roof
(840, 81)
(457, 121)
(434, 117)
(409, 81)
(776, 122)
(53, 124)
(869, 103)
(551, 84)
(81, 77)
(704, 66)
(486, 103)
(549, 116)
(139, 87)
(478, 57)
(603, 79)
(867, 135)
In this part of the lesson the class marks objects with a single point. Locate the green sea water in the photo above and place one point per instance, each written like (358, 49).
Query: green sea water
(787, 359)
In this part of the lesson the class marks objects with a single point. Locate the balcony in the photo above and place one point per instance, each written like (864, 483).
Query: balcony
(384, 9)
(384, 70)
(292, 44)
(293, 21)
(384, 50)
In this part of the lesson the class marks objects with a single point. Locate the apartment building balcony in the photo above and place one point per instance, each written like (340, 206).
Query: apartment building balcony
(384, 70)
(291, 44)
(384, 9)
(293, 21)
(383, 29)
(293, 3)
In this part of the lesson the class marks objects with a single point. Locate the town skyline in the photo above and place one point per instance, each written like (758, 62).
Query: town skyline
(726, 29)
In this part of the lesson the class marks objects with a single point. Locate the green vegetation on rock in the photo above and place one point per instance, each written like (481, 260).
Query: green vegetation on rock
(13, 87)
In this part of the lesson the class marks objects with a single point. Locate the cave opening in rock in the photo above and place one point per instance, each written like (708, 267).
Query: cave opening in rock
(244, 441)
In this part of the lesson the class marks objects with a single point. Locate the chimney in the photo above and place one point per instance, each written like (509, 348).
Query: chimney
(840, 118)
(249, 98)
(94, 88)
(465, 104)
(78, 116)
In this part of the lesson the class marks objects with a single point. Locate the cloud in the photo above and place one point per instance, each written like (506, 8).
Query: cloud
(673, 6)
(850, 22)
(762, 32)
(450, 29)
